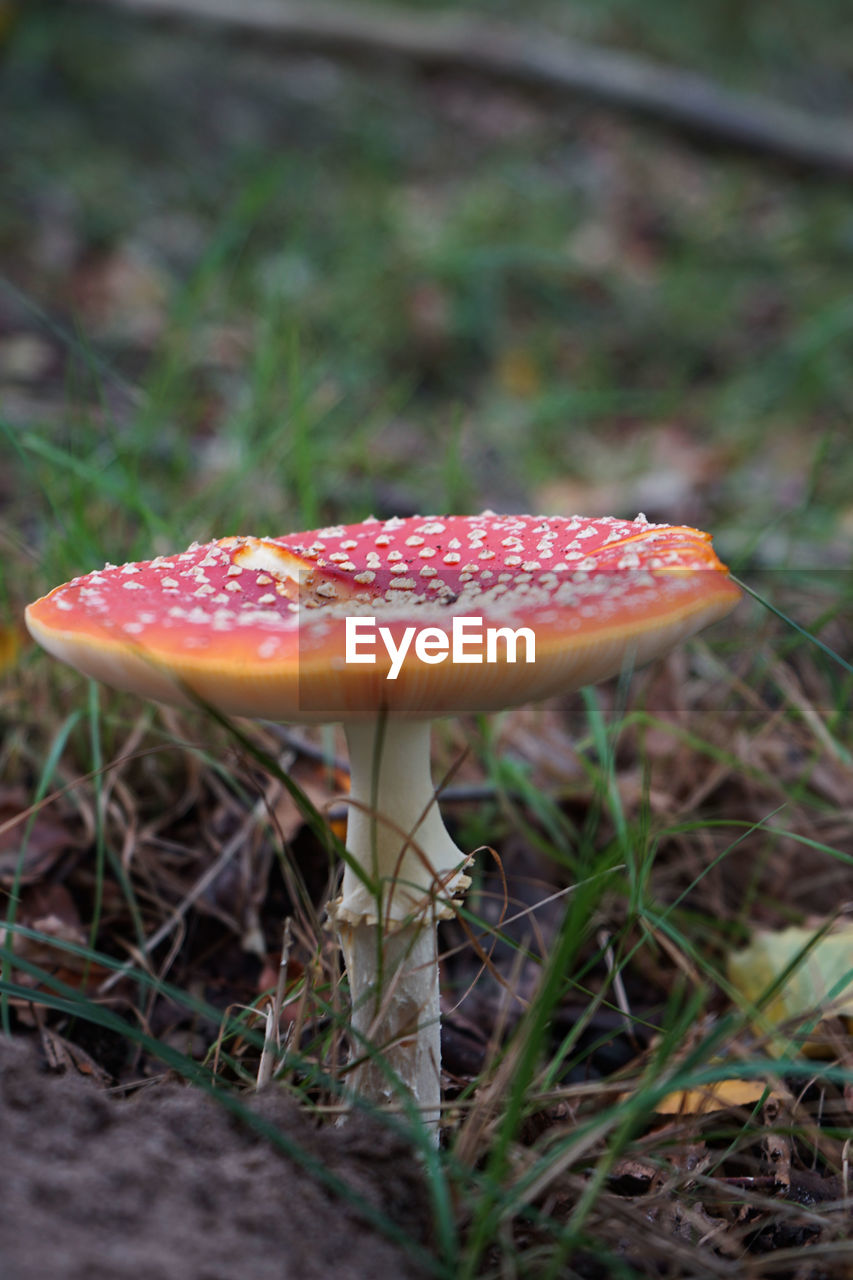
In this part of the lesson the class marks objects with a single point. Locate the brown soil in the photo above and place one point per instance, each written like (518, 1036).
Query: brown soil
(167, 1185)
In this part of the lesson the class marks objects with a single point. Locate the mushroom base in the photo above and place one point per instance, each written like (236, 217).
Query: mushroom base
(396, 1034)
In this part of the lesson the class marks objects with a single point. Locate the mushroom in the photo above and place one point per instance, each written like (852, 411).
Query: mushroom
(385, 625)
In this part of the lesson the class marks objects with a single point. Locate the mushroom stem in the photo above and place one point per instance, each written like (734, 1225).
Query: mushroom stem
(395, 1030)
(386, 918)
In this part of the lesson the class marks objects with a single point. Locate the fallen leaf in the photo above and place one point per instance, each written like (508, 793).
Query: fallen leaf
(819, 986)
(719, 1096)
(518, 373)
(10, 647)
(28, 852)
(64, 1055)
(316, 781)
(635, 1173)
(50, 911)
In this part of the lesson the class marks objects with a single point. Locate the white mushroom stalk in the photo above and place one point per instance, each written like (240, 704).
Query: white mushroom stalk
(262, 627)
(386, 917)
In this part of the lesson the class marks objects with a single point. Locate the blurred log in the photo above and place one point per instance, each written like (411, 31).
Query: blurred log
(681, 100)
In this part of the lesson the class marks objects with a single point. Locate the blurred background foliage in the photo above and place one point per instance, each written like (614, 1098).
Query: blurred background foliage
(255, 293)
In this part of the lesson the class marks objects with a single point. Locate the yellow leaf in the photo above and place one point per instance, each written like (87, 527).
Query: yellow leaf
(518, 373)
(821, 981)
(713, 1097)
(10, 647)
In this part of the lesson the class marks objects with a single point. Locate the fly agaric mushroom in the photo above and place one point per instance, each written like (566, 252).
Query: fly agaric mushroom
(377, 625)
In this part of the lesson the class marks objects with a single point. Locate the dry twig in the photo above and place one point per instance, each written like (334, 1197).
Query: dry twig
(679, 99)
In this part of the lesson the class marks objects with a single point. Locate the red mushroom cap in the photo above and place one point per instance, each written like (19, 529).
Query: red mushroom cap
(256, 626)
